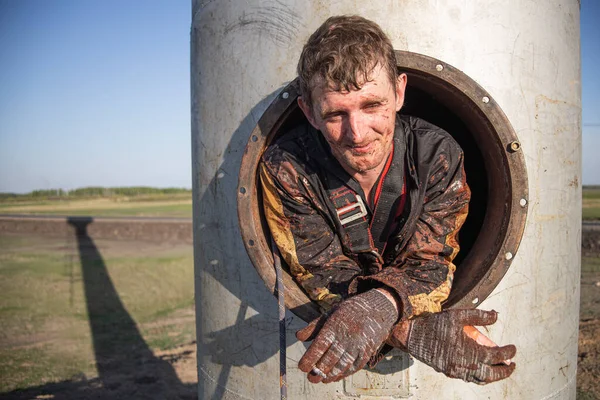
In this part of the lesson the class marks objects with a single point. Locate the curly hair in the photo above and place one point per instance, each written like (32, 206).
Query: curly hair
(343, 51)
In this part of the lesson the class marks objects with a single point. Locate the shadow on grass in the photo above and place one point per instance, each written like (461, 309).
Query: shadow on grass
(127, 368)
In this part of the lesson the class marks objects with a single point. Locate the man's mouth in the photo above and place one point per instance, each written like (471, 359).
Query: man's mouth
(362, 149)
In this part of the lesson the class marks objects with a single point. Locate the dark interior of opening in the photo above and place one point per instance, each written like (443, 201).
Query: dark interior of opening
(425, 105)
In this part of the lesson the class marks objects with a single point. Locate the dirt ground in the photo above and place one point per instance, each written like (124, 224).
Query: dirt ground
(588, 364)
(171, 374)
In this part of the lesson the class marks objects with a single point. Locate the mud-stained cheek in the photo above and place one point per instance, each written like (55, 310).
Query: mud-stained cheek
(388, 113)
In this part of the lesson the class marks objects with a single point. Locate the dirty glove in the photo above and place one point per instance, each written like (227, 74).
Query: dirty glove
(439, 341)
(348, 337)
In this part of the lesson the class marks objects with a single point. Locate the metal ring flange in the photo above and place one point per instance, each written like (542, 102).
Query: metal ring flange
(504, 222)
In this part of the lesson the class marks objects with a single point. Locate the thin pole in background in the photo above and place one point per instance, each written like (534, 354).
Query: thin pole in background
(282, 338)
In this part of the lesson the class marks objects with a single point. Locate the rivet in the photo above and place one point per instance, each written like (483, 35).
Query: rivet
(220, 175)
(485, 99)
(214, 262)
(439, 68)
(285, 95)
(251, 242)
(523, 202)
(475, 300)
(254, 138)
(243, 190)
(508, 255)
(515, 146)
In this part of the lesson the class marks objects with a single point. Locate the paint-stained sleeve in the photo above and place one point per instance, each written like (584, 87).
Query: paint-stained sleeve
(421, 275)
(303, 234)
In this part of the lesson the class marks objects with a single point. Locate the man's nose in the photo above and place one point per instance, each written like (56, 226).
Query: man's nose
(355, 128)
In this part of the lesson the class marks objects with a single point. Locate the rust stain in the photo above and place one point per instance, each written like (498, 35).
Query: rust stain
(545, 99)
(549, 100)
(575, 182)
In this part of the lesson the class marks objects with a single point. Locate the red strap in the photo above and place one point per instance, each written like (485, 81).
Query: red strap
(392, 224)
(382, 178)
(402, 199)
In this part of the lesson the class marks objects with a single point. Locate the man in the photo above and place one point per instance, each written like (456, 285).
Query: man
(365, 207)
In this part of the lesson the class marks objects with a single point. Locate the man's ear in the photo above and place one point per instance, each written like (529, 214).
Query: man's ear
(308, 113)
(400, 90)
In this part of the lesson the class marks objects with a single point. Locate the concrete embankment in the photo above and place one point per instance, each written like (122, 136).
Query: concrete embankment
(145, 229)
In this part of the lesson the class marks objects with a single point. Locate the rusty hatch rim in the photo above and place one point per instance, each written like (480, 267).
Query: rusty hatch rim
(502, 229)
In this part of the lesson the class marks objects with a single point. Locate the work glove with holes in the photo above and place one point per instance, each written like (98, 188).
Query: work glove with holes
(439, 340)
(345, 339)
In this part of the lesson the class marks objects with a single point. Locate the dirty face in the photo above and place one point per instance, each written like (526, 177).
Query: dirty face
(359, 124)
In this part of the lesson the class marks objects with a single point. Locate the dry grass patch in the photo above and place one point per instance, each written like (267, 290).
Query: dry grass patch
(67, 306)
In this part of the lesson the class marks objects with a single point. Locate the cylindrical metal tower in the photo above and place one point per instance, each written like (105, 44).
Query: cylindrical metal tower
(525, 53)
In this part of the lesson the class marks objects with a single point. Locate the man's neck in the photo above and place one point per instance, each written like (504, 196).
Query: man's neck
(367, 179)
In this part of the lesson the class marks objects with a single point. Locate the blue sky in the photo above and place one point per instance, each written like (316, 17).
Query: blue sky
(590, 91)
(96, 93)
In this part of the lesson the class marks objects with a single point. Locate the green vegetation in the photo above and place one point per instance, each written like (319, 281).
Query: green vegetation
(590, 264)
(93, 192)
(101, 202)
(45, 288)
(583, 395)
(590, 275)
(591, 202)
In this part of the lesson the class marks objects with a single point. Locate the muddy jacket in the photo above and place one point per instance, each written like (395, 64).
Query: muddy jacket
(297, 172)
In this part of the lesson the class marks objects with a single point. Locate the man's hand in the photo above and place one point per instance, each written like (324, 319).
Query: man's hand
(346, 339)
(439, 340)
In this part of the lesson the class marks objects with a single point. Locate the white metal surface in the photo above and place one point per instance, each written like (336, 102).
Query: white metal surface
(524, 52)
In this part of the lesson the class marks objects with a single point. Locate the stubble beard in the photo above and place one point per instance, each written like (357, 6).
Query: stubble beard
(361, 163)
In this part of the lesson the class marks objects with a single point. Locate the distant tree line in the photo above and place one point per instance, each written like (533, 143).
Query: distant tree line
(93, 192)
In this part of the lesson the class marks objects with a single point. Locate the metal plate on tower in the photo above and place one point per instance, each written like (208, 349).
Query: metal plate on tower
(389, 378)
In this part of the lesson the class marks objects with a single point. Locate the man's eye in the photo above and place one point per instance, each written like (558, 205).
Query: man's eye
(373, 105)
(332, 117)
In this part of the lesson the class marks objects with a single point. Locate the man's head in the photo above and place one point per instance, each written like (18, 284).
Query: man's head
(351, 91)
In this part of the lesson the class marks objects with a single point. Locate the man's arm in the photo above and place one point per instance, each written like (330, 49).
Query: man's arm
(417, 283)
(299, 224)
(420, 278)
(445, 342)
(311, 248)
(354, 330)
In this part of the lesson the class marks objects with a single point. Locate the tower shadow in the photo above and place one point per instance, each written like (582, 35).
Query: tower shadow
(127, 367)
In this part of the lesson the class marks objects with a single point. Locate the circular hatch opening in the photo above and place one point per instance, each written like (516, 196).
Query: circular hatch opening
(494, 165)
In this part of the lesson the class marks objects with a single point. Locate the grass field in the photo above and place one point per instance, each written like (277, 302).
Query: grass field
(591, 202)
(179, 206)
(69, 308)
